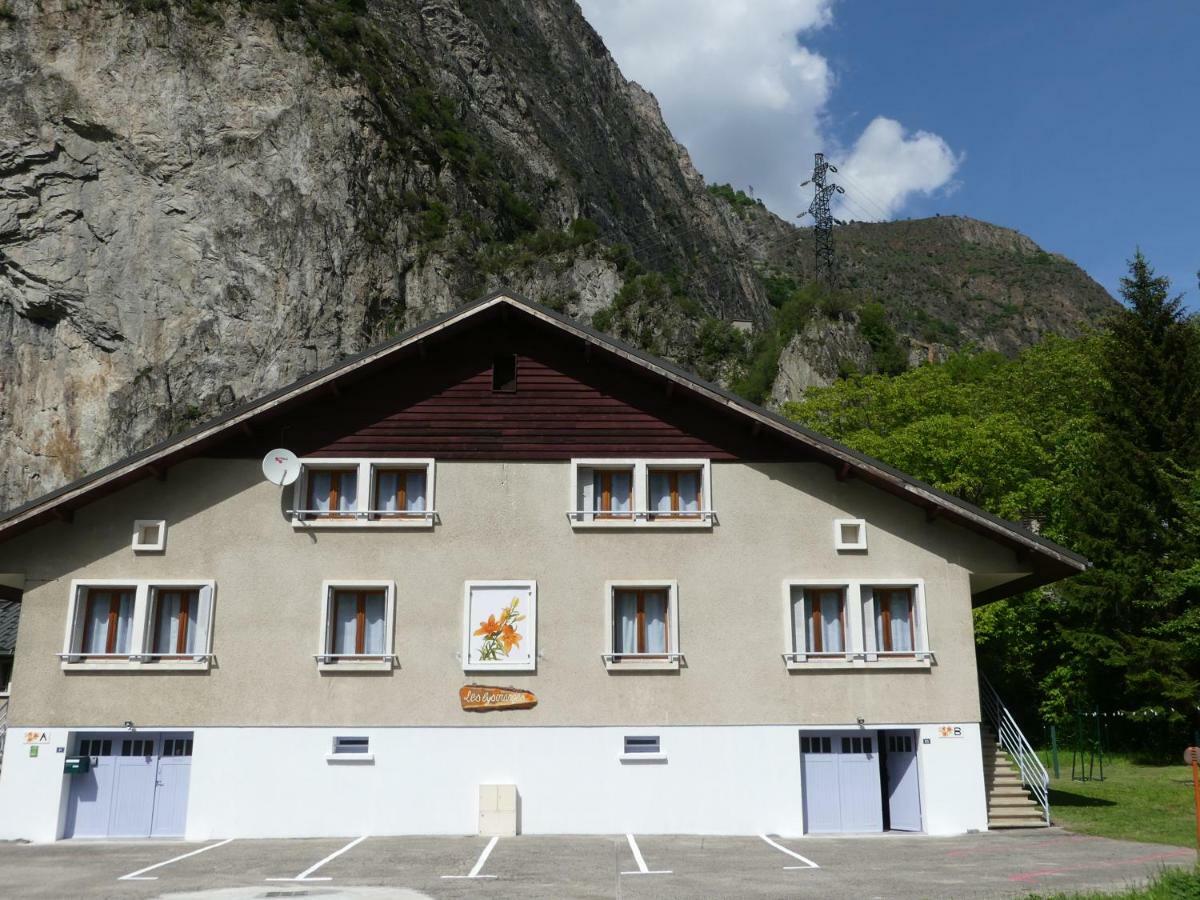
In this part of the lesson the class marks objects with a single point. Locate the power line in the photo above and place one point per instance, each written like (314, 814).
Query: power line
(866, 195)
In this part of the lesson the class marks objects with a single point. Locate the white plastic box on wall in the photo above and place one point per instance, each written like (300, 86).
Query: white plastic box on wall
(498, 809)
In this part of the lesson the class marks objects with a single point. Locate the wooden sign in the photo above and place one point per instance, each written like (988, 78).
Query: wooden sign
(484, 698)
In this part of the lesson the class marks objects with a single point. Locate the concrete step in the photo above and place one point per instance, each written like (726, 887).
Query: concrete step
(1006, 803)
(1007, 790)
(1002, 778)
(1014, 814)
(998, 824)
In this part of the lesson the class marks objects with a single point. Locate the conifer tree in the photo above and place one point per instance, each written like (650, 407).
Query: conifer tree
(1133, 511)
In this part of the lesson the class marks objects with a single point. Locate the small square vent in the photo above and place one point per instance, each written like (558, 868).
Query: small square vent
(149, 535)
(850, 534)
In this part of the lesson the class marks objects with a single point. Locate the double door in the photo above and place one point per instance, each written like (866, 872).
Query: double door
(864, 781)
(136, 786)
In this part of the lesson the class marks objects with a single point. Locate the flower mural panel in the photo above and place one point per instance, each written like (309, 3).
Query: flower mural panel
(499, 625)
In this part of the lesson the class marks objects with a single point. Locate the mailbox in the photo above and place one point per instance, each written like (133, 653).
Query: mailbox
(77, 765)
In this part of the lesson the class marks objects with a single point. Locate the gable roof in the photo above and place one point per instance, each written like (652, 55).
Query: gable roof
(1048, 560)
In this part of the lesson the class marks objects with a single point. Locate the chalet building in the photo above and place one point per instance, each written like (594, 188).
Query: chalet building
(501, 573)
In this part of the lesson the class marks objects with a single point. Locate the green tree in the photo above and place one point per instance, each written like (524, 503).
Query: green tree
(1133, 511)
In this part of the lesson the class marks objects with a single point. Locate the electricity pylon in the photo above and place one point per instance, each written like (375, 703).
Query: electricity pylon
(824, 256)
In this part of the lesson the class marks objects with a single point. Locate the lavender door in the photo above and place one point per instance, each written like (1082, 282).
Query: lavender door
(137, 786)
(89, 802)
(133, 788)
(904, 789)
(841, 783)
(171, 788)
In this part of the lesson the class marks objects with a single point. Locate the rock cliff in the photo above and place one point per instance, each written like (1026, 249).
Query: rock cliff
(202, 201)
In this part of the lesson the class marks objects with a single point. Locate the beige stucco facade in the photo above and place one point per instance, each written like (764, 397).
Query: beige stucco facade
(499, 521)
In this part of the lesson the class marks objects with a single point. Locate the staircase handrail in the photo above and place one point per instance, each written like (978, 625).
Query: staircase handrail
(1013, 741)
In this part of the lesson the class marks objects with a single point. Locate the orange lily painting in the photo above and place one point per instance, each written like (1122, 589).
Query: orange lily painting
(500, 625)
(500, 635)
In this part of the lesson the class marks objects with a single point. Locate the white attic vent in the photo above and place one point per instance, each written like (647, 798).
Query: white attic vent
(850, 534)
(149, 535)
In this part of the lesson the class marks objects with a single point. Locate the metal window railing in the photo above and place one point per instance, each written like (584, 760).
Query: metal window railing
(649, 657)
(308, 515)
(641, 515)
(362, 657)
(864, 655)
(135, 657)
(1012, 740)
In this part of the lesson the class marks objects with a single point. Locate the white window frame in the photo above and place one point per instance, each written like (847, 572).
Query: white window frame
(839, 544)
(362, 515)
(641, 515)
(860, 652)
(642, 756)
(155, 547)
(673, 657)
(140, 657)
(503, 665)
(350, 756)
(325, 660)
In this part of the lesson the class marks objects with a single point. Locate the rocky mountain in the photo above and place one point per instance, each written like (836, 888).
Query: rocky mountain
(200, 201)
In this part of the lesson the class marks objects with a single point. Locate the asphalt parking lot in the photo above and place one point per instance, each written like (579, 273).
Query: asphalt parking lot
(998, 864)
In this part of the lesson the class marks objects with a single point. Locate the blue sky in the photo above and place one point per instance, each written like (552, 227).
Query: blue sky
(1077, 123)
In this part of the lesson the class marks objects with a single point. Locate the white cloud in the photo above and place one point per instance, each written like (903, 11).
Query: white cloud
(750, 102)
(886, 167)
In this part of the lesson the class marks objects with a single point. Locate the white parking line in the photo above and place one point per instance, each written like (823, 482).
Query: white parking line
(804, 859)
(137, 876)
(637, 857)
(479, 863)
(304, 876)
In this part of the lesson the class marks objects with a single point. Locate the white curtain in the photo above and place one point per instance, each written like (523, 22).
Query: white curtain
(321, 483)
(375, 641)
(96, 632)
(414, 492)
(97, 628)
(345, 622)
(389, 488)
(348, 492)
(655, 606)
(171, 604)
(829, 612)
(689, 492)
(389, 483)
(660, 491)
(899, 607)
(622, 492)
(626, 622)
(831, 621)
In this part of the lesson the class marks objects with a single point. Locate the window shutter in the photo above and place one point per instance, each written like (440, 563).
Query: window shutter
(329, 622)
(204, 610)
(870, 622)
(77, 624)
(920, 638)
(585, 491)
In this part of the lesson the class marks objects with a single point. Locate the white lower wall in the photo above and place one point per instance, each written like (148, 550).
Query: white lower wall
(33, 789)
(276, 782)
(953, 796)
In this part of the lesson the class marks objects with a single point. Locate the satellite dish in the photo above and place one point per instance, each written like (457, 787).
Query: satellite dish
(281, 467)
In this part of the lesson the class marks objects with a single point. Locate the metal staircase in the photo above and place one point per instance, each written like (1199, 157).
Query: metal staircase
(1018, 786)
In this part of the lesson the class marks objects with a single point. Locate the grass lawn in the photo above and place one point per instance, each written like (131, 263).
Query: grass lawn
(1180, 884)
(1134, 803)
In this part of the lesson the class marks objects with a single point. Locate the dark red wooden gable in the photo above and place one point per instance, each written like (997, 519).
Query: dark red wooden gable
(567, 402)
